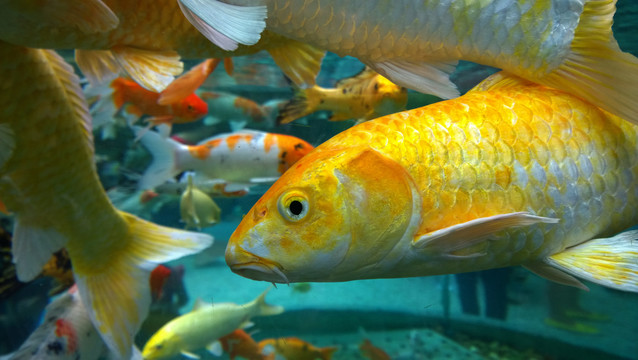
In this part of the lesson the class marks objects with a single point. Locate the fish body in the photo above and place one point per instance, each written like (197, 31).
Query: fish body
(511, 173)
(247, 157)
(566, 44)
(203, 326)
(114, 35)
(365, 96)
(238, 111)
(197, 209)
(293, 348)
(66, 333)
(49, 182)
(138, 101)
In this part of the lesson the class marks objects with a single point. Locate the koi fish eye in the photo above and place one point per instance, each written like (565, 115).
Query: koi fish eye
(293, 206)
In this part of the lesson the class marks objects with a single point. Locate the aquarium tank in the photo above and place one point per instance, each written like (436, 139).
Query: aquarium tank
(220, 154)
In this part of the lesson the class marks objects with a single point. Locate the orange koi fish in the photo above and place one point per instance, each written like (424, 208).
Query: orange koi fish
(239, 343)
(48, 180)
(136, 100)
(292, 348)
(240, 159)
(512, 173)
(111, 36)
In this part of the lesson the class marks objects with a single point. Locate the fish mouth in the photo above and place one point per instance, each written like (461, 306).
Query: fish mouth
(254, 267)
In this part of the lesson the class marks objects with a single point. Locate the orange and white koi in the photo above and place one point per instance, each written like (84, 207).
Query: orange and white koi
(240, 159)
(362, 97)
(238, 111)
(511, 173)
(293, 348)
(49, 182)
(565, 44)
(111, 36)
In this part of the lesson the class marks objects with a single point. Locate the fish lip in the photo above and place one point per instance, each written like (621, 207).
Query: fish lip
(252, 265)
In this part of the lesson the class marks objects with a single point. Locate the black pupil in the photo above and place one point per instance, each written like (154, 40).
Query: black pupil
(296, 207)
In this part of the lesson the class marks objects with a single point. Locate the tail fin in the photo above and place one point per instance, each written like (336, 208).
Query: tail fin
(611, 262)
(164, 152)
(326, 352)
(597, 69)
(301, 104)
(264, 309)
(117, 294)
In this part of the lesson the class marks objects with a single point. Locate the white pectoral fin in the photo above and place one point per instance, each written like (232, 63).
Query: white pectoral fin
(32, 248)
(215, 348)
(453, 239)
(429, 78)
(190, 355)
(610, 262)
(224, 24)
(551, 273)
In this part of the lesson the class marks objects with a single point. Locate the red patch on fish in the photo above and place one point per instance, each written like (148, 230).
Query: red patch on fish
(159, 275)
(64, 329)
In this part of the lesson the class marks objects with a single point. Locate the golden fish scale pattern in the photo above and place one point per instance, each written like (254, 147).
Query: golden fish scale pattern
(498, 152)
(497, 33)
(50, 179)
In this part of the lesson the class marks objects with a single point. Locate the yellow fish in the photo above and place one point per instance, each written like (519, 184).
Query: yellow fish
(566, 44)
(204, 326)
(512, 173)
(365, 96)
(48, 180)
(145, 38)
(197, 209)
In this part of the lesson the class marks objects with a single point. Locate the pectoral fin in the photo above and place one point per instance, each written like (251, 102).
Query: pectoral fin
(215, 348)
(465, 239)
(550, 273)
(429, 78)
(190, 355)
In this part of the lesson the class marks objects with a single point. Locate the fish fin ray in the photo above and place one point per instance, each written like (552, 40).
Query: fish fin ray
(430, 78)
(456, 238)
(7, 143)
(225, 25)
(153, 70)
(551, 273)
(187, 83)
(597, 69)
(98, 66)
(118, 296)
(298, 61)
(32, 248)
(297, 107)
(164, 152)
(610, 262)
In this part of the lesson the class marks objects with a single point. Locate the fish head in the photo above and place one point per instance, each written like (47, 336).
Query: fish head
(291, 149)
(192, 108)
(336, 215)
(162, 344)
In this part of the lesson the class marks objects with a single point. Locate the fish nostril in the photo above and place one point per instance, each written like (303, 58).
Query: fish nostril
(260, 213)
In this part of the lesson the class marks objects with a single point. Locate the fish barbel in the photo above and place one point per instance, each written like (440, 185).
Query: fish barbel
(145, 38)
(565, 44)
(512, 173)
(49, 182)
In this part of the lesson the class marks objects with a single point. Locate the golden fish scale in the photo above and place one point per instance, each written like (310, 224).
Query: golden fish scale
(50, 179)
(144, 24)
(540, 151)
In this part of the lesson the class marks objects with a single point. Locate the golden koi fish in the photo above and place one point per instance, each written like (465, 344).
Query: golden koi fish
(512, 173)
(48, 180)
(565, 44)
(144, 38)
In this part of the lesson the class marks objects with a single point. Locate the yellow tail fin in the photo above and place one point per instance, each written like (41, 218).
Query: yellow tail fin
(117, 295)
(597, 69)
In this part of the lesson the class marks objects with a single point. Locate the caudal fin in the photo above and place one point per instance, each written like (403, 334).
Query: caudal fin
(300, 105)
(164, 152)
(117, 291)
(264, 309)
(597, 69)
(611, 262)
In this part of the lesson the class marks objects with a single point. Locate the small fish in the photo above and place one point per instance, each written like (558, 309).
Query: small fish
(292, 348)
(512, 173)
(147, 195)
(198, 210)
(238, 111)
(66, 333)
(111, 36)
(136, 100)
(372, 352)
(158, 278)
(565, 44)
(203, 326)
(241, 159)
(302, 288)
(48, 180)
(239, 343)
(362, 97)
